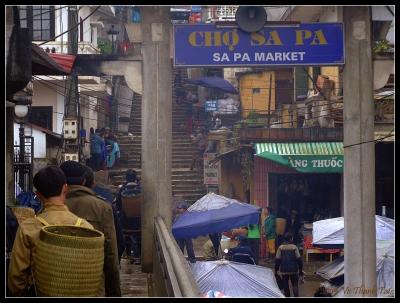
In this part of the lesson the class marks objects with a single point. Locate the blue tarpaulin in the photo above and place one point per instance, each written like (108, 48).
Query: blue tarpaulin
(214, 82)
(214, 213)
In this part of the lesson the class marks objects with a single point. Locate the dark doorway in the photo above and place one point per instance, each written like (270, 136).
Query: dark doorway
(313, 196)
(384, 178)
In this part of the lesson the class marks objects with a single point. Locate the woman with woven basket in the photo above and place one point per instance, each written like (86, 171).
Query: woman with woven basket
(51, 186)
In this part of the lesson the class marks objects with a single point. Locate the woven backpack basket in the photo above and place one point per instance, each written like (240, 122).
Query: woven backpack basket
(68, 261)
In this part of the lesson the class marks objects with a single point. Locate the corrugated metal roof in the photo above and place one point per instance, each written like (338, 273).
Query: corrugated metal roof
(301, 148)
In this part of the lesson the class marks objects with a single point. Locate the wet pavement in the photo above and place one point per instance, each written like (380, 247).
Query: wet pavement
(134, 282)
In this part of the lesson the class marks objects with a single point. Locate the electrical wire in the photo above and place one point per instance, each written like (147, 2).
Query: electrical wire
(312, 106)
(376, 140)
(89, 89)
(274, 124)
(44, 12)
(71, 28)
(49, 86)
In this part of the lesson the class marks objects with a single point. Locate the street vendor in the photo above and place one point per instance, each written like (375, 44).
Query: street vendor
(242, 253)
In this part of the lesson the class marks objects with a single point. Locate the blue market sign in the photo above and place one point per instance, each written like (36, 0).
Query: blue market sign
(211, 106)
(300, 44)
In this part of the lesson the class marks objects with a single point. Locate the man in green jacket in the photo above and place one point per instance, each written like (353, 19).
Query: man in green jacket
(270, 232)
(83, 202)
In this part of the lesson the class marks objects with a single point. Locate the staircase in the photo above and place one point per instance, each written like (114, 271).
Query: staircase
(186, 184)
(130, 145)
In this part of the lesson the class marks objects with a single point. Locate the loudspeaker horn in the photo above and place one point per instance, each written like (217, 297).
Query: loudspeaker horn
(251, 18)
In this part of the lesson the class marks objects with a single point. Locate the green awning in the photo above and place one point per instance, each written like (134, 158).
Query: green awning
(306, 157)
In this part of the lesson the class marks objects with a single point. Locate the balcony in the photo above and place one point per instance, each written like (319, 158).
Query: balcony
(61, 47)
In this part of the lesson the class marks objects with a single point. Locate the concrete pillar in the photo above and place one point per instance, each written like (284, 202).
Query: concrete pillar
(359, 159)
(156, 125)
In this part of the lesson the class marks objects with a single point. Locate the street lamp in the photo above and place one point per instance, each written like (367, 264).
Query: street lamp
(21, 110)
(113, 33)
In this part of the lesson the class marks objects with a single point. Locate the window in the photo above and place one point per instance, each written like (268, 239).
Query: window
(40, 20)
(42, 116)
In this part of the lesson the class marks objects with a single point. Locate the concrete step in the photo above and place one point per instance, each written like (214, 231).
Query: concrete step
(182, 157)
(191, 180)
(189, 192)
(188, 189)
(188, 197)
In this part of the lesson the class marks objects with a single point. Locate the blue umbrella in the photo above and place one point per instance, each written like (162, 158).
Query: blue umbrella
(214, 213)
(214, 82)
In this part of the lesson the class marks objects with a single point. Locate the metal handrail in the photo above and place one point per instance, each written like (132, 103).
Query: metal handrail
(176, 269)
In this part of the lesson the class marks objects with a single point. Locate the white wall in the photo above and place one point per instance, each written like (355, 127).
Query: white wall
(83, 12)
(61, 17)
(46, 96)
(60, 113)
(39, 141)
(381, 13)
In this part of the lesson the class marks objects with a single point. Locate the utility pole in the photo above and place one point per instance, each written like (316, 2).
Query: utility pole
(72, 106)
(359, 164)
(156, 125)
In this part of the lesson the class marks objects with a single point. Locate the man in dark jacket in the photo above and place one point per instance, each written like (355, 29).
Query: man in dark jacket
(182, 208)
(83, 202)
(103, 192)
(288, 262)
(242, 253)
(95, 149)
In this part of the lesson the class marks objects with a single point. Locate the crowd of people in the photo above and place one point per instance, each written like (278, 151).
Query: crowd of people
(68, 194)
(104, 149)
(282, 241)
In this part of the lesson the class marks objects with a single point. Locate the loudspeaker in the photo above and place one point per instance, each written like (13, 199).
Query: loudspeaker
(251, 18)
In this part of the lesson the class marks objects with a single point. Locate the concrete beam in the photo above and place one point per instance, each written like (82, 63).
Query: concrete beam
(112, 65)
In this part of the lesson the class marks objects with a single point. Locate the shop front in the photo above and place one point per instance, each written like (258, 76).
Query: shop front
(303, 176)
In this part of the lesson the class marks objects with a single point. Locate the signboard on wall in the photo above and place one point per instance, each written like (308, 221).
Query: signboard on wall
(211, 171)
(211, 106)
(290, 44)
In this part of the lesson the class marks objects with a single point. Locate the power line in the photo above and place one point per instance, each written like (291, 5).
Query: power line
(71, 28)
(44, 12)
(376, 140)
(283, 116)
(89, 89)
(64, 95)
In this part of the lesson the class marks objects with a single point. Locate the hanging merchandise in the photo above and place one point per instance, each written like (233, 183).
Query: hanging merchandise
(136, 16)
